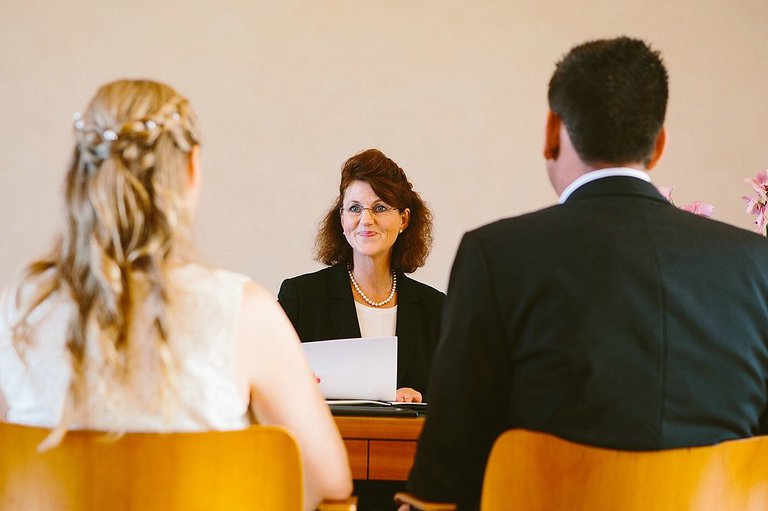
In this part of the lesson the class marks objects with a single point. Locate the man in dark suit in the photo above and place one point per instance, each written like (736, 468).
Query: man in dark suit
(612, 319)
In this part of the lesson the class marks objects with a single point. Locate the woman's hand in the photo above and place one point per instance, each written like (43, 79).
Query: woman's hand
(408, 395)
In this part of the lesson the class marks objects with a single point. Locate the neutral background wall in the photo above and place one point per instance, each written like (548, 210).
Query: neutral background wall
(455, 92)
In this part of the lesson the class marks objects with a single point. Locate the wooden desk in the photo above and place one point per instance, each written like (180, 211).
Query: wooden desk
(380, 448)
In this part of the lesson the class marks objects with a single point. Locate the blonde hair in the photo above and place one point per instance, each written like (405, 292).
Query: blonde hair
(125, 215)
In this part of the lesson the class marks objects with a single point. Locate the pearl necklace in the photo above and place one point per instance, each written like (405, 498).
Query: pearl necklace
(368, 300)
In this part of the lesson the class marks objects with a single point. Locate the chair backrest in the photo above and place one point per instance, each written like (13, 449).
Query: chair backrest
(257, 468)
(537, 472)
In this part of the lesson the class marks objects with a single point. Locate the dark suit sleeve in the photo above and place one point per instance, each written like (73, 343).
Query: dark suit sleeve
(288, 297)
(468, 392)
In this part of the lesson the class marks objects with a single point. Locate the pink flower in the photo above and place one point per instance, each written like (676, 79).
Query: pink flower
(666, 192)
(760, 224)
(699, 208)
(760, 184)
(754, 207)
(757, 206)
(696, 207)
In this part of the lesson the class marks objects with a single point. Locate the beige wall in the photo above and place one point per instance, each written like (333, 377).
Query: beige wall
(453, 91)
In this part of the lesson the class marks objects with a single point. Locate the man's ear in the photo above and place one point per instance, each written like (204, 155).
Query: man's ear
(661, 142)
(552, 136)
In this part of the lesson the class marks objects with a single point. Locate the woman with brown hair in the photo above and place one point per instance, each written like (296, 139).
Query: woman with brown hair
(119, 330)
(376, 231)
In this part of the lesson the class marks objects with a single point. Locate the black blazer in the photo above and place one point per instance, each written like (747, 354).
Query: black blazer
(614, 319)
(321, 306)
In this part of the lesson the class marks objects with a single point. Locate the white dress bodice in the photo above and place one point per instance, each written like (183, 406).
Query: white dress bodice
(199, 392)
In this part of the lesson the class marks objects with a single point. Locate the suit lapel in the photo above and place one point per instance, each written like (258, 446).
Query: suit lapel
(342, 304)
(408, 323)
(344, 315)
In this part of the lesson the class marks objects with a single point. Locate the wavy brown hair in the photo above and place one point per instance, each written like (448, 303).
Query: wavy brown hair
(390, 183)
(125, 215)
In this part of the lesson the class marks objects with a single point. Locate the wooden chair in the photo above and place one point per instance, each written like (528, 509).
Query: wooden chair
(255, 469)
(536, 472)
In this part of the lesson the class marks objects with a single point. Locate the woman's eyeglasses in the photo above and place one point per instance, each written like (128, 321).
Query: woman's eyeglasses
(356, 210)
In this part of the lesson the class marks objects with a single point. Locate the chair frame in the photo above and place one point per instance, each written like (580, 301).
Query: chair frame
(537, 471)
(256, 468)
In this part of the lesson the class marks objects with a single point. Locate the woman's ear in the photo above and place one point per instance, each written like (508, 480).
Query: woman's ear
(405, 218)
(552, 136)
(194, 178)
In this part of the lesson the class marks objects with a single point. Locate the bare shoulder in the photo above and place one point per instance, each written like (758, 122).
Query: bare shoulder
(255, 293)
(261, 313)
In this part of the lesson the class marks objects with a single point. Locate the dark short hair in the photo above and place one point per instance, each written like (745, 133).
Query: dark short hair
(390, 183)
(612, 97)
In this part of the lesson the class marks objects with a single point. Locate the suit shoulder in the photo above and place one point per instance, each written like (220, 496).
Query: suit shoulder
(736, 238)
(311, 279)
(731, 230)
(314, 284)
(514, 225)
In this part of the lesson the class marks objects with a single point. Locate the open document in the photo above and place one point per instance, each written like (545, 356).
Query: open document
(355, 369)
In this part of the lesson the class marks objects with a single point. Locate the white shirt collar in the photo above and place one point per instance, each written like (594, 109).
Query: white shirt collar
(599, 174)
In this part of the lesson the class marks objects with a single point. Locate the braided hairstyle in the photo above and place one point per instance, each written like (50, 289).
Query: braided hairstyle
(125, 217)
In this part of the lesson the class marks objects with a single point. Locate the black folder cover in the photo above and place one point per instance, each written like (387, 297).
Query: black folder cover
(374, 411)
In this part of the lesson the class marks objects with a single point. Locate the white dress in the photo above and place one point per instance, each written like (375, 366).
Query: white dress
(202, 394)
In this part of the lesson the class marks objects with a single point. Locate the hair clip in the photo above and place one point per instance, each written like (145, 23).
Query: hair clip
(109, 135)
(175, 116)
(79, 123)
(150, 125)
